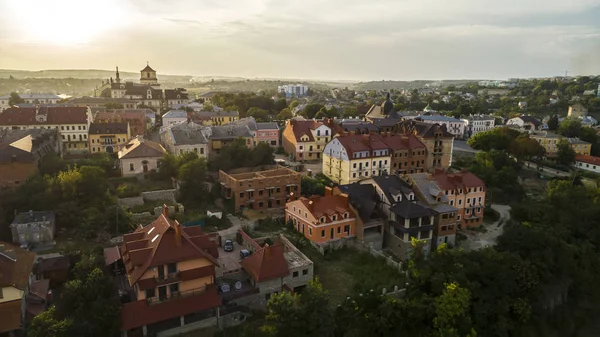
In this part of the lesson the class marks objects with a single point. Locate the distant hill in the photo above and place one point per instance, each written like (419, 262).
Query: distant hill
(84, 74)
(408, 85)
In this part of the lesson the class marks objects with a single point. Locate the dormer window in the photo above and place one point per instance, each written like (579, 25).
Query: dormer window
(399, 197)
(322, 219)
(346, 215)
(334, 217)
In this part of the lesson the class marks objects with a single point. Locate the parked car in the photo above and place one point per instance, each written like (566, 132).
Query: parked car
(228, 246)
(244, 253)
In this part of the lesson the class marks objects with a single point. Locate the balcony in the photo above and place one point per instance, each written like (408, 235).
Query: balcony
(178, 295)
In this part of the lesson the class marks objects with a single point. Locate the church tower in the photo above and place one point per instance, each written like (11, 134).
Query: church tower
(118, 79)
(148, 76)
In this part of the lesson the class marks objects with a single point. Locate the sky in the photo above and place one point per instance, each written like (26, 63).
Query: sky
(309, 39)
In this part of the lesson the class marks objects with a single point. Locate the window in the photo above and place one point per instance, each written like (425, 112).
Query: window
(241, 194)
(334, 217)
(458, 217)
(354, 165)
(305, 272)
(62, 127)
(305, 215)
(322, 220)
(323, 233)
(346, 215)
(150, 292)
(171, 268)
(295, 274)
(339, 229)
(347, 229)
(131, 167)
(309, 231)
(479, 199)
(459, 202)
(174, 288)
(354, 175)
(451, 202)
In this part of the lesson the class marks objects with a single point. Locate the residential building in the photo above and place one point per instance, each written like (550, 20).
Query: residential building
(220, 136)
(364, 202)
(108, 137)
(409, 154)
(350, 158)
(478, 123)
(186, 137)
(466, 192)
(217, 117)
(16, 265)
(207, 96)
(33, 228)
(55, 269)
(293, 90)
(384, 110)
(406, 218)
(136, 118)
(588, 163)
(549, 141)
(305, 139)
(261, 189)
(454, 126)
(267, 133)
(322, 219)
(177, 96)
(100, 102)
(577, 110)
(438, 141)
(140, 156)
(71, 122)
(31, 98)
(526, 123)
(431, 195)
(21, 151)
(174, 117)
(170, 272)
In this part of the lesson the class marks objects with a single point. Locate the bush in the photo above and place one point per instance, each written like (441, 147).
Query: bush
(127, 190)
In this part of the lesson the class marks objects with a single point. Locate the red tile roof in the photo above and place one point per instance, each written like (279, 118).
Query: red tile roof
(401, 142)
(328, 205)
(54, 115)
(158, 244)
(266, 263)
(587, 159)
(301, 128)
(111, 255)
(140, 313)
(359, 143)
(16, 265)
(452, 181)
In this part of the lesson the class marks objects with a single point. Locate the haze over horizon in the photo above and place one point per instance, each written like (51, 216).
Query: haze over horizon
(313, 39)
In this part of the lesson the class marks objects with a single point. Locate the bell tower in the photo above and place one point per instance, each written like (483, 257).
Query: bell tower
(148, 76)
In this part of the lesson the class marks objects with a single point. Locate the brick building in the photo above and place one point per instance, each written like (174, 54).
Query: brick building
(466, 192)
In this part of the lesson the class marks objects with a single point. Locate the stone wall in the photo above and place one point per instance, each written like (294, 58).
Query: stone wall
(159, 195)
(143, 215)
(130, 202)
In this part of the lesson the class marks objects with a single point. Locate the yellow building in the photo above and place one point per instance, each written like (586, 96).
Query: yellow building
(108, 137)
(350, 158)
(549, 141)
(305, 139)
(211, 118)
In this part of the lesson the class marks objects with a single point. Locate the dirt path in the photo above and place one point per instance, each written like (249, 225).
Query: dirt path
(476, 240)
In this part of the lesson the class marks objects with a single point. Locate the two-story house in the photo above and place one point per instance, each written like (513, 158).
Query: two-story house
(305, 139)
(140, 156)
(71, 122)
(261, 189)
(478, 123)
(108, 137)
(33, 228)
(466, 192)
(186, 137)
(350, 158)
(267, 133)
(170, 270)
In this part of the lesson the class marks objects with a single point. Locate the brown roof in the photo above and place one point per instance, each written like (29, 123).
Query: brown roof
(328, 205)
(11, 316)
(359, 143)
(40, 288)
(587, 159)
(158, 244)
(111, 255)
(452, 181)
(141, 148)
(108, 128)
(402, 142)
(302, 128)
(15, 266)
(266, 263)
(54, 115)
(140, 313)
(185, 275)
(54, 263)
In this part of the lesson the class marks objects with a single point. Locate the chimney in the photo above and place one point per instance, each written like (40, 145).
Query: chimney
(177, 228)
(292, 197)
(346, 200)
(165, 210)
(267, 250)
(328, 191)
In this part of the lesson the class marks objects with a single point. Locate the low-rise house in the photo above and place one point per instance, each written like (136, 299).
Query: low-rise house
(305, 139)
(549, 141)
(21, 151)
(261, 189)
(322, 219)
(186, 137)
(454, 126)
(108, 137)
(217, 117)
(140, 156)
(174, 117)
(588, 163)
(54, 269)
(526, 123)
(207, 96)
(577, 110)
(136, 118)
(220, 136)
(71, 122)
(170, 276)
(364, 201)
(16, 265)
(445, 216)
(267, 133)
(31, 98)
(33, 228)
(466, 192)
(478, 123)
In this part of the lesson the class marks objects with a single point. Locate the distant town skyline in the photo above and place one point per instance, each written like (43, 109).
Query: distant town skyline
(315, 39)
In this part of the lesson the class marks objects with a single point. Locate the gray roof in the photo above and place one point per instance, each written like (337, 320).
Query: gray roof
(267, 126)
(428, 189)
(175, 114)
(34, 216)
(410, 209)
(480, 118)
(230, 131)
(188, 134)
(363, 198)
(391, 185)
(217, 113)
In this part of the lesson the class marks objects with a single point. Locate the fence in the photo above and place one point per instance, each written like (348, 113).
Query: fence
(377, 253)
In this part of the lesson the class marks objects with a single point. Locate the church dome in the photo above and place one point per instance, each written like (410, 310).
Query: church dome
(387, 106)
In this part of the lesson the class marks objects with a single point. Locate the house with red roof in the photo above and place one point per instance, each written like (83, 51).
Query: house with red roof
(170, 277)
(588, 163)
(305, 139)
(464, 191)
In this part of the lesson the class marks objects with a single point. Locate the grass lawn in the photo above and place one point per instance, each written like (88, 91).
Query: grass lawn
(347, 271)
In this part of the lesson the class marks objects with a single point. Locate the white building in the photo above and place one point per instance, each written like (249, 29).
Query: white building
(186, 137)
(31, 99)
(588, 163)
(291, 90)
(454, 126)
(478, 123)
(173, 117)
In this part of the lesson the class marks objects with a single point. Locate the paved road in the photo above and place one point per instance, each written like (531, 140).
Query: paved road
(461, 145)
(477, 240)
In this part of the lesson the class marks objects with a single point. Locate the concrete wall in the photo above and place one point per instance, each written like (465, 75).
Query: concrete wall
(130, 202)
(159, 195)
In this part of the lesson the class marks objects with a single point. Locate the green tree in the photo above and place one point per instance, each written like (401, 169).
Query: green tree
(496, 139)
(259, 114)
(553, 123)
(15, 99)
(570, 127)
(451, 308)
(310, 110)
(280, 104)
(46, 324)
(565, 155)
(524, 147)
(284, 114)
(192, 175)
(208, 107)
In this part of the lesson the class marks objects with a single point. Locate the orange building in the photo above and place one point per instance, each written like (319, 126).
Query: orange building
(170, 271)
(322, 218)
(466, 192)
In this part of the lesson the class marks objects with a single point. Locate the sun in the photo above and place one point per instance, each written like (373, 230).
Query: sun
(64, 22)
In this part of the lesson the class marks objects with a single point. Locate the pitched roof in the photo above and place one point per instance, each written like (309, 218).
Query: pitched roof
(53, 115)
(147, 68)
(304, 127)
(530, 119)
(139, 147)
(385, 122)
(441, 119)
(53, 263)
(423, 129)
(403, 142)
(188, 134)
(359, 143)
(173, 93)
(327, 205)
(15, 266)
(363, 198)
(452, 181)
(588, 159)
(428, 192)
(24, 145)
(266, 263)
(158, 244)
(230, 131)
(108, 128)
(410, 209)
(175, 114)
(267, 126)
(392, 185)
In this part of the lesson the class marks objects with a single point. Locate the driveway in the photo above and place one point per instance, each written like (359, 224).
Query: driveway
(477, 240)
(236, 225)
